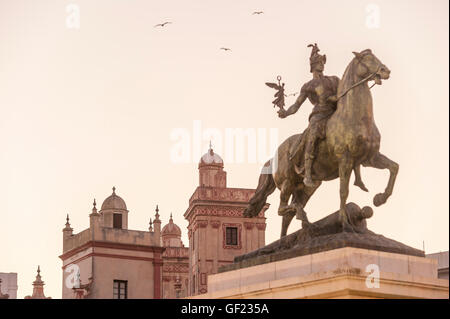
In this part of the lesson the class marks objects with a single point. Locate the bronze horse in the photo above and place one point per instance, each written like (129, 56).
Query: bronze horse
(352, 139)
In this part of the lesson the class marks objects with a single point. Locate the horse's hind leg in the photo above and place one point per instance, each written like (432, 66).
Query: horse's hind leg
(382, 162)
(287, 218)
(285, 194)
(266, 186)
(285, 210)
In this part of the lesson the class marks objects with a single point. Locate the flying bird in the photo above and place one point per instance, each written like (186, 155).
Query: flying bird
(162, 24)
(225, 49)
(257, 12)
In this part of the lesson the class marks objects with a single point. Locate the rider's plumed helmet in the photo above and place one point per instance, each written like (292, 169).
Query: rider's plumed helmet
(315, 56)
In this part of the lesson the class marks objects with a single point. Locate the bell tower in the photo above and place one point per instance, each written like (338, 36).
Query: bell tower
(217, 229)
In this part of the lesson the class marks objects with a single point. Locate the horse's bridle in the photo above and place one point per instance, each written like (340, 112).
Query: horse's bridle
(367, 78)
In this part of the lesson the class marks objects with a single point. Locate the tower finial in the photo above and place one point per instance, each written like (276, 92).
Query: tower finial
(94, 208)
(39, 270)
(67, 229)
(211, 152)
(170, 215)
(114, 190)
(67, 222)
(157, 213)
(151, 225)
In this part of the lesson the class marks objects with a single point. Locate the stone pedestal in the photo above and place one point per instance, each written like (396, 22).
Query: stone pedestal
(340, 273)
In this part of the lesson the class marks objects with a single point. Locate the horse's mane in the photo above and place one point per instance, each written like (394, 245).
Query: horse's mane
(347, 78)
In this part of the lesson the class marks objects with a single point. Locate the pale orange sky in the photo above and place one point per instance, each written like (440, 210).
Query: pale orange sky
(84, 110)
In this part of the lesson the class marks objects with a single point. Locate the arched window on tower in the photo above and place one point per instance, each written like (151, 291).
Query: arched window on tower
(117, 221)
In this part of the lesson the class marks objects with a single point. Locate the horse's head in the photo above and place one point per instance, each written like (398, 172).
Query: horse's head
(368, 63)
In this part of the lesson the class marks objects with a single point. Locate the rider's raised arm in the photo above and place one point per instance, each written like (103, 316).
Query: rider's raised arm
(301, 98)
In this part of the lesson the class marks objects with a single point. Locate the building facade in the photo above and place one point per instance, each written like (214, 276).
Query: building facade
(110, 261)
(175, 262)
(8, 285)
(217, 229)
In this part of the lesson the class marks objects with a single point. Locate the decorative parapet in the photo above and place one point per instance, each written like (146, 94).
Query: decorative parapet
(220, 211)
(222, 194)
(178, 252)
(112, 235)
(77, 240)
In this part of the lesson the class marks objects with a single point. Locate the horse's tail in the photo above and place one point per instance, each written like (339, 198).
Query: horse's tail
(266, 186)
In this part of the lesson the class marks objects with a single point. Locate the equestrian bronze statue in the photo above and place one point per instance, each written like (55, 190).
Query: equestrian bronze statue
(341, 137)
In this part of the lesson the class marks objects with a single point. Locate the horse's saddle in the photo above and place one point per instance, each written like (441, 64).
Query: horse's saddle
(296, 148)
(299, 144)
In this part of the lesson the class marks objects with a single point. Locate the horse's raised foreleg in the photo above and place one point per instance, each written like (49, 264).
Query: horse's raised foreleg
(382, 162)
(358, 180)
(345, 170)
